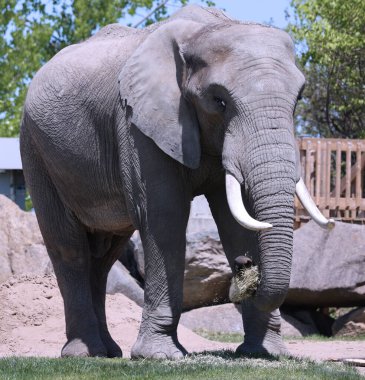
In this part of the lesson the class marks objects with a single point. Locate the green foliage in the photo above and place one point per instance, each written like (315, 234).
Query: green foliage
(238, 337)
(28, 202)
(322, 338)
(219, 365)
(330, 37)
(220, 336)
(32, 31)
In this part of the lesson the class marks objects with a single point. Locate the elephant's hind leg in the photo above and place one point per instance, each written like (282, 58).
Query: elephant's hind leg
(68, 249)
(67, 246)
(100, 267)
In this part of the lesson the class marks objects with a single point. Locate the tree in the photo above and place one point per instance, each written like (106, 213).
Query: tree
(32, 31)
(330, 39)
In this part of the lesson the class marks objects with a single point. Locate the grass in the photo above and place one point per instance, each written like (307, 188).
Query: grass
(220, 336)
(213, 366)
(238, 337)
(322, 338)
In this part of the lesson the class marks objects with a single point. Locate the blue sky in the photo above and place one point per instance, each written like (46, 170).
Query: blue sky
(256, 10)
(264, 11)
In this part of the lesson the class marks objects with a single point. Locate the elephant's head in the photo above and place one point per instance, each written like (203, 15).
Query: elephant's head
(227, 89)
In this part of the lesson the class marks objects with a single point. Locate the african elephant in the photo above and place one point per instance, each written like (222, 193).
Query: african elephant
(121, 131)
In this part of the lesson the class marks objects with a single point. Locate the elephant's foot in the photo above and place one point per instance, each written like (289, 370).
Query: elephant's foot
(82, 347)
(158, 346)
(78, 347)
(271, 345)
(262, 332)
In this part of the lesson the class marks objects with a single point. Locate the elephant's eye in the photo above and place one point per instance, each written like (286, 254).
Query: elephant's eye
(221, 103)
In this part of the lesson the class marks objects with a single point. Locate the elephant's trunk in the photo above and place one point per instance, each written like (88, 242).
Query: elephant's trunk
(264, 162)
(275, 245)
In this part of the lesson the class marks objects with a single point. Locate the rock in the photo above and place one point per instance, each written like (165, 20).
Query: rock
(129, 260)
(138, 253)
(297, 323)
(201, 219)
(5, 267)
(120, 281)
(34, 260)
(224, 318)
(328, 266)
(290, 327)
(207, 273)
(22, 251)
(227, 318)
(350, 324)
(21, 244)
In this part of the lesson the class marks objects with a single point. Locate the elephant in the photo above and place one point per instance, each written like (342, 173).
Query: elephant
(121, 131)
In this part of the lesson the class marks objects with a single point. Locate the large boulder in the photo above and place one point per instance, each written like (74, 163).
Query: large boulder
(22, 251)
(350, 324)
(207, 273)
(227, 318)
(21, 244)
(201, 219)
(120, 281)
(297, 327)
(328, 266)
(138, 254)
(128, 257)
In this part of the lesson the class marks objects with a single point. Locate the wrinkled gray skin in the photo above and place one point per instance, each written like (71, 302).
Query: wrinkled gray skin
(197, 96)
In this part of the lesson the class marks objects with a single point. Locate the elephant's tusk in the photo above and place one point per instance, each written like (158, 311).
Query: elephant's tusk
(308, 203)
(238, 210)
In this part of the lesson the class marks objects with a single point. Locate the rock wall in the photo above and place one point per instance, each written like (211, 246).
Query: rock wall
(328, 266)
(207, 273)
(328, 269)
(21, 244)
(227, 318)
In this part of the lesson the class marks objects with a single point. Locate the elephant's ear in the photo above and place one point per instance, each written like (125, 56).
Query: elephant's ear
(150, 83)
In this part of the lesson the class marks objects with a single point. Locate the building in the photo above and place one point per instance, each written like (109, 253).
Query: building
(12, 183)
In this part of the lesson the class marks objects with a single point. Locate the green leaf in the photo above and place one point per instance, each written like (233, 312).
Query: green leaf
(329, 35)
(32, 31)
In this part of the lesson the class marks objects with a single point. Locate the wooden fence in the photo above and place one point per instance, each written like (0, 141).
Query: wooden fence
(333, 170)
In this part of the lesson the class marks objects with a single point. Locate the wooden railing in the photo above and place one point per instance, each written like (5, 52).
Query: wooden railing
(333, 170)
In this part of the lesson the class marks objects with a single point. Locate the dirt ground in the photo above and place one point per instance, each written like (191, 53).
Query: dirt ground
(32, 324)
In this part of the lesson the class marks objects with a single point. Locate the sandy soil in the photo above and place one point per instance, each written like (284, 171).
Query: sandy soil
(32, 324)
(32, 320)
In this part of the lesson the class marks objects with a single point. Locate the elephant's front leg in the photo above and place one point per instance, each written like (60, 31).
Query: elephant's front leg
(164, 248)
(161, 205)
(262, 329)
(163, 237)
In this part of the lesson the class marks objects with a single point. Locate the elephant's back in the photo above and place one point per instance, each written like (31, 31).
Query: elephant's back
(81, 68)
(71, 111)
(77, 90)
(115, 31)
